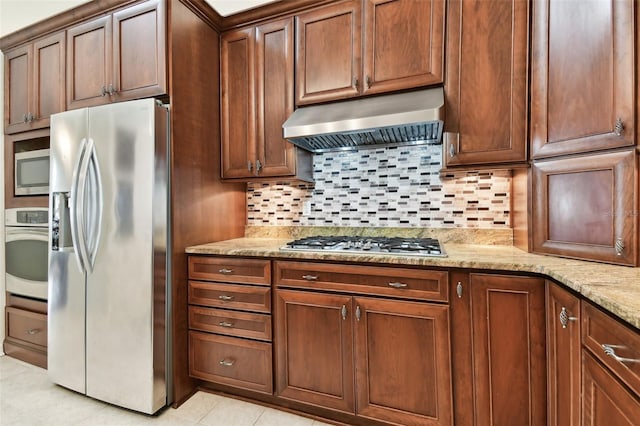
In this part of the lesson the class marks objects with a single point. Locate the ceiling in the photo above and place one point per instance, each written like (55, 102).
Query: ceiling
(229, 7)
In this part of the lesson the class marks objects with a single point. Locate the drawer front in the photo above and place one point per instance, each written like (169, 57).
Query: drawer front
(242, 297)
(231, 323)
(385, 281)
(607, 339)
(231, 361)
(230, 270)
(27, 326)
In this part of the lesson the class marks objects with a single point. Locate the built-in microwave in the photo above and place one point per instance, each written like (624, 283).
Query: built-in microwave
(31, 175)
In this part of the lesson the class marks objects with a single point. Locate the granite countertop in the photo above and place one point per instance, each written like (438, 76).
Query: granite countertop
(615, 288)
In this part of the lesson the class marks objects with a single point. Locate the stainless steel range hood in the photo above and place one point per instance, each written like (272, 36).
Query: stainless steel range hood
(401, 119)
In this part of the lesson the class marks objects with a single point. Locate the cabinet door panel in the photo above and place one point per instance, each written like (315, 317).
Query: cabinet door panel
(403, 44)
(49, 77)
(403, 362)
(574, 43)
(583, 207)
(487, 56)
(328, 53)
(139, 51)
(238, 105)
(509, 349)
(314, 349)
(89, 52)
(18, 66)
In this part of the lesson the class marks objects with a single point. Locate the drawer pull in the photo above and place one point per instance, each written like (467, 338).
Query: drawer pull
(227, 362)
(310, 277)
(33, 331)
(611, 351)
(398, 285)
(459, 290)
(225, 324)
(565, 317)
(343, 312)
(226, 271)
(358, 313)
(225, 297)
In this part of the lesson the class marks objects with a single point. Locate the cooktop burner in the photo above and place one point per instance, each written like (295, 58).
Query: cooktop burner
(372, 245)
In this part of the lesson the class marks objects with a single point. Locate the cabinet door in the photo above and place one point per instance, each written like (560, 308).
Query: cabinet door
(509, 349)
(274, 97)
(582, 76)
(48, 78)
(403, 44)
(238, 103)
(583, 207)
(18, 68)
(403, 362)
(563, 357)
(328, 53)
(606, 401)
(139, 40)
(89, 63)
(486, 83)
(314, 349)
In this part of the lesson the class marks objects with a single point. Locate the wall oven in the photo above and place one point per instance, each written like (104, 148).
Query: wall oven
(31, 175)
(26, 244)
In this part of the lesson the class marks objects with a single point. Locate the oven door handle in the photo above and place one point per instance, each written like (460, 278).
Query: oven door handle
(23, 233)
(75, 207)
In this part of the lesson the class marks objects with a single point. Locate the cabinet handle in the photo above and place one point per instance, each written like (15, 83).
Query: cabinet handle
(33, 331)
(358, 313)
(355, 82)
(343, 312)
(459, 290)
(619, 246)
(565, 317)
(225, 297)
(111, 90)
(225, 271)
(368, 82)
(225, 324)
(227, 362)
(611, 351)
(30, 117)
(310, 277)
(258, 166)
(103, 91)
(398, 285)
(25, 118)
(618, 128)
(249, 165)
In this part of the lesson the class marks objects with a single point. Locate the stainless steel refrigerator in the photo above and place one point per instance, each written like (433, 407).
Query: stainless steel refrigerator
(108, 286)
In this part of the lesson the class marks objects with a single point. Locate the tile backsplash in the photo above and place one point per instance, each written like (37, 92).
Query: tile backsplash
(388, 187)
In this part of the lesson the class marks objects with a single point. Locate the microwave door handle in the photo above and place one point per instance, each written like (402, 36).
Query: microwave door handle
(81, 204)
(94, 205)
(74, 206)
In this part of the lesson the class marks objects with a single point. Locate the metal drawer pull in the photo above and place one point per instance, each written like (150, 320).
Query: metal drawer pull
(33, 331)
(225, 297)
(310, 277)
(358, 313)
(398, 285)
(459, 290)
(227, 362)
(343, 312)
(225, 271)
(565, 317)
(611, 351)
(225, 324)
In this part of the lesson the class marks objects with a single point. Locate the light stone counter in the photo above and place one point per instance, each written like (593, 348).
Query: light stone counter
(615, 288)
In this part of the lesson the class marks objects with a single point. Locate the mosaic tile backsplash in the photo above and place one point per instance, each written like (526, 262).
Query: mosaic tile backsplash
(388, 187)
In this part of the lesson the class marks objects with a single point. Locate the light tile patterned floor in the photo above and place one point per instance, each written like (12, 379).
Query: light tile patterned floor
(27, 397)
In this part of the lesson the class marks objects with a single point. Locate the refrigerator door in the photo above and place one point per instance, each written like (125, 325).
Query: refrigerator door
(66, 287)
(125, 238)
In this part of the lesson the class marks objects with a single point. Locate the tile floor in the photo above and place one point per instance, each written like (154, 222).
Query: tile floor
(27, 397)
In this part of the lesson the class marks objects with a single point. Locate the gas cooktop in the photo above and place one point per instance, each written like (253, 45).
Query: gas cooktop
(369, 245)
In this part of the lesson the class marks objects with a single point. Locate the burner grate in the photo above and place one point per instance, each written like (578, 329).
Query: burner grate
(373, 245)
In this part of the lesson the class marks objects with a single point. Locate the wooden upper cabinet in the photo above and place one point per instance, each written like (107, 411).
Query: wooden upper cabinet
(328, 53)
(359, 47)
(584, 207)
(256, 81)
(34, 83)
(582, 82)
(486, 83)
(117, 57)
(403, 44)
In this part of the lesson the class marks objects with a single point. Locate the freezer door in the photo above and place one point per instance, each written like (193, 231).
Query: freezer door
(125, 282)
(66, 287)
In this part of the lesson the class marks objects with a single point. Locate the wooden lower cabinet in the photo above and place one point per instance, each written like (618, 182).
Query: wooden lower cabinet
(380, 359)
(26, 330)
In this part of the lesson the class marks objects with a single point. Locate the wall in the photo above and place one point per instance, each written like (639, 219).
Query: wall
(388, 187)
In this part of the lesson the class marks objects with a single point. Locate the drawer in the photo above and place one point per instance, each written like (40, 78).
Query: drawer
(385, 281)
(230, 270)
(602, 334)
(27, 326)
(231, 361)
(219, 295)
(231, 323)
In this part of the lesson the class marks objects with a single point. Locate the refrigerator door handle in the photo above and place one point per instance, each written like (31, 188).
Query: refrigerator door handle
(94, 204)
(74, 206)
(81, 205)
